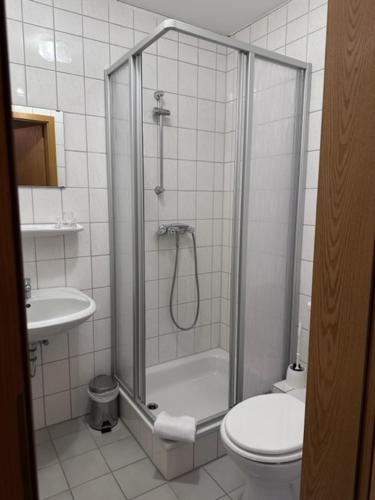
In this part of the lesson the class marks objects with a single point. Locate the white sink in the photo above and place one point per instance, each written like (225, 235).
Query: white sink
(55, 310)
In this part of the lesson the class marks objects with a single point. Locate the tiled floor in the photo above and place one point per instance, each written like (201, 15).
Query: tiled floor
(75, 462)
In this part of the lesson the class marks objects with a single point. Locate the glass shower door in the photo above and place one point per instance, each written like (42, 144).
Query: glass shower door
(123, 246)
(270, 223)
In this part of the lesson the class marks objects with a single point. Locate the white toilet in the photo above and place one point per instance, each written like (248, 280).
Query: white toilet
(264, 436)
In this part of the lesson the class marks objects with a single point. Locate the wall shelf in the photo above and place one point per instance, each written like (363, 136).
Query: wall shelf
(45, 230)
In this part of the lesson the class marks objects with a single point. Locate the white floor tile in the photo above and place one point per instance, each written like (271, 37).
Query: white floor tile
(117, 433)
(87, 457)
(196, 485)
(74, 444)
(67, 427)
(51, 481)
(85, 467)
(103, 488)
(226, 473)
(237, 494)
(65, 495)
(45, 455)
(41, 436)
(122, 453)
(138, 478)
(162, 493)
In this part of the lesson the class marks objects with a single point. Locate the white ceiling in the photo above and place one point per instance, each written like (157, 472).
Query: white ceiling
(222, 16)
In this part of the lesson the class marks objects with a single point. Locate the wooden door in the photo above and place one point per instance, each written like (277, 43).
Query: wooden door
(339, 411)
(17, 464)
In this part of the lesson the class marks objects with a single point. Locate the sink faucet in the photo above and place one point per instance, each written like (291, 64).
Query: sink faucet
(27, 288)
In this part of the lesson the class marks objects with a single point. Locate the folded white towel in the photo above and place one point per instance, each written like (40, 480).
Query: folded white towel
(175, 428)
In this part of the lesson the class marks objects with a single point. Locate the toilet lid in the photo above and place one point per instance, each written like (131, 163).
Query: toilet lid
(270, 424)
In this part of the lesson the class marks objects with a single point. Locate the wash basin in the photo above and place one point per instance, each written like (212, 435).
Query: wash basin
(51, 311)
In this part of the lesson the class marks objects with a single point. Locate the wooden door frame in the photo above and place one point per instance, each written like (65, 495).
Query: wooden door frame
(339, 431)
(17, 460)
(338, 451)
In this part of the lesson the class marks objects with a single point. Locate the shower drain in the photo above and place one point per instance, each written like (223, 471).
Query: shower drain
(152, 406)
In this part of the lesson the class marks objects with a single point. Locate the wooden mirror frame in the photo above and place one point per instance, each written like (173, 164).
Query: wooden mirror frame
(48, 124)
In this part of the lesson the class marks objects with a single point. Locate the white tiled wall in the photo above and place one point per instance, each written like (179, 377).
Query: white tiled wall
(298, 29)
(198, 192)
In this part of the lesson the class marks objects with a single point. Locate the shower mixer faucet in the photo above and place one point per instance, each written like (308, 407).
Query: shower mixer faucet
(174, 229)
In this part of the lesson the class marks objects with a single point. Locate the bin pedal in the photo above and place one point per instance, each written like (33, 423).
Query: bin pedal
(106, 427)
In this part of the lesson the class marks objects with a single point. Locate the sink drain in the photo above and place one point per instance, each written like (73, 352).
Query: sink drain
(152, 406)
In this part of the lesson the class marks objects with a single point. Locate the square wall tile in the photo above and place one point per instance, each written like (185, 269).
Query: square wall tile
(13, 9)
(80, 401)
(76, 169)
(97, 168)
(95, 8)
(57, 407)
(94, 97)
(96, 58)
(98, 205)
(25, 204)
(78, 273)
(49, 248)
(100, 238)
(103, 302)
(76, 200)
(96, 134)
(69, 53)
(78, 244)
(41, 88)
(81, 339)
(56, 376)
(81, 369)
(51, 273)
(18, 83)
(95, 29)
(47, 204)
(39, 46)
(37, 13)
(102, 334)
(15, 42)
(102, 361)
(68, 22)
(56, 349)
(121, 13)
(75, 132)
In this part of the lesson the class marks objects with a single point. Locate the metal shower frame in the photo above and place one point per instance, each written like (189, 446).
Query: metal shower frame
(247, 54)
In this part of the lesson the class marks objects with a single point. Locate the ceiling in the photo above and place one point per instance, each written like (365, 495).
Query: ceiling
(222, 16)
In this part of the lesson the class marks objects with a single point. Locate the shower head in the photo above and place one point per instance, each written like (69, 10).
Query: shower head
(174, 229)
(159, 110)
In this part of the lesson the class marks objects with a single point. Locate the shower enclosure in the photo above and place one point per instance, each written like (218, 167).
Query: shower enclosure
(206, 140)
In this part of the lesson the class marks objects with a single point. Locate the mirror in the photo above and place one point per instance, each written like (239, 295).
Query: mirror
(39, 146)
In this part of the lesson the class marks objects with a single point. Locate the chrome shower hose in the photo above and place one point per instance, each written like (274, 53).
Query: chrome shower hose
(177, 235)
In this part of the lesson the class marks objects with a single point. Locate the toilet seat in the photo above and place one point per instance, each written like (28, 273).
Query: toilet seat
(267, 428)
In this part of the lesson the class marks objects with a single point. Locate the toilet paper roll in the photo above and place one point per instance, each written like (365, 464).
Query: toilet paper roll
(296, 378)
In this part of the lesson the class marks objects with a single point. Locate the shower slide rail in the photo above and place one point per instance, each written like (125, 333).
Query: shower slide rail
(159, 113)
